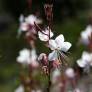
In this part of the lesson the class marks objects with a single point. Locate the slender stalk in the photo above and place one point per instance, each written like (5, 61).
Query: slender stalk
(49, 16)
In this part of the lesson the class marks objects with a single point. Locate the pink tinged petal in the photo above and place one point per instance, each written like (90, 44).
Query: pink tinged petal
(52, 56)
(59, 39)
(81, 63)
(65, 46)
(52, 44)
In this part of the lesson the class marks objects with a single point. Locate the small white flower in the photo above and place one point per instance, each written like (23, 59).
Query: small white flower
(27, 23)
(70, 73)
(20, 89)
(24, 56)
(44, 35)
(86, 34)
(58, 45)
(85, 60)
(27, 57)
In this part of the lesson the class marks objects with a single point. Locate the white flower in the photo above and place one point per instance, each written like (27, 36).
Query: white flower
(25, 23)
(31, 19)
(24, 56)
(86, 34)
(58, 45)
(70, 73)
(55, 74)
(44, 35)
(85, 60)
(27, 57)
(20, 89)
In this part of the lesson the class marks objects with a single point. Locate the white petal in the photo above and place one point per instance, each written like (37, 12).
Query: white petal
(59, 39)
(25, 52)
(51, 34)
(52, 44)
(81, 63)
(52, 56)
(24, 26)
(43, 37)
(65, 46)
(30, 19)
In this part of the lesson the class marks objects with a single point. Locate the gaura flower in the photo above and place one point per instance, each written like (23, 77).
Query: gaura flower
(58, 45)
(27, 57)
(27, 23)
(24, 56)
(86, 60)
(86, 34)
(20, 89)
(45, 35)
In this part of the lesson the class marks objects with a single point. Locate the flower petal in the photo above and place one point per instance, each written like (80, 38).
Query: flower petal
(52, 44)
(43, 37)
(81, 63)
(30, 19)
(52, 56)
(65, 46)
(59, 39)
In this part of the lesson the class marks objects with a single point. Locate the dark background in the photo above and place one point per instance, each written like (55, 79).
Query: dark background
(70, 18)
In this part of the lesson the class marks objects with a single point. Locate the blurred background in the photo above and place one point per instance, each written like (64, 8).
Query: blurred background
(70, 18)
